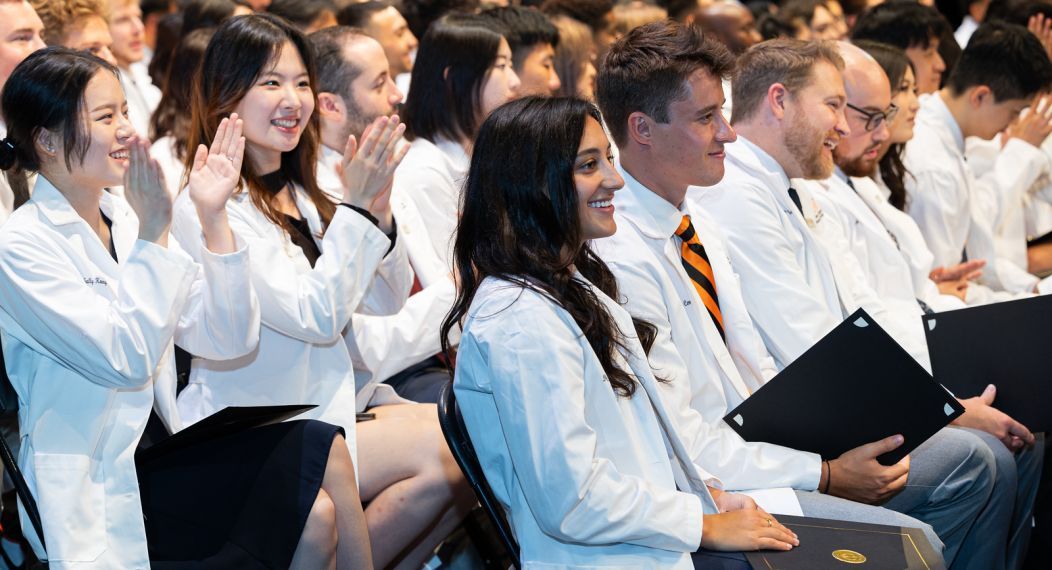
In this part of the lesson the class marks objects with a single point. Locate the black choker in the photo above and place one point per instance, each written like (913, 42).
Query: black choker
(274, 182)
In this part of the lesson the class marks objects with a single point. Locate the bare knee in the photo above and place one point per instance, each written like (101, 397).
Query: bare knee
(320, 530)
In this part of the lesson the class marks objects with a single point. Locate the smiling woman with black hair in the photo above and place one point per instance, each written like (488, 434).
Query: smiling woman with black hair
(585, 457)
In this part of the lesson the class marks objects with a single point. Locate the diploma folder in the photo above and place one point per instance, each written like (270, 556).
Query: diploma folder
(854, 386)
(839, 545)
(227, 421)
(1002, 344)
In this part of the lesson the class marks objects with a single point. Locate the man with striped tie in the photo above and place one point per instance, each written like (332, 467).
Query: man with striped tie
(659, 90)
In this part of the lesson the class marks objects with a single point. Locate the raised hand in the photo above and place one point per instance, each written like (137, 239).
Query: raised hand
(368, 170)
(1041, 27)
(147, 194)
(213, 178)
(217, 170)
(1034, 124)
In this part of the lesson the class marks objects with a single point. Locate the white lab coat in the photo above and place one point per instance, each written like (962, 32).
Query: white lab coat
(88, 345)
(953, 211)
(799, 278)
(589, 479)
(396, 330)
(876, 247)
(703, 382)
(302, 357)
(430, 179)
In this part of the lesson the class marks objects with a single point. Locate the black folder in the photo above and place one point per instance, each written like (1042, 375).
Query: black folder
(1003, 344)
(227, 421)
(839, 545)
(854, 386)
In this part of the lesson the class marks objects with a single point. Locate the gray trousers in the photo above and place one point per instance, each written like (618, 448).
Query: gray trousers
(1006, 521)
(950, 484)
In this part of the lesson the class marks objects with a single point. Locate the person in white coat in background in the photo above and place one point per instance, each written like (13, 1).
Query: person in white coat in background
(443, 110)
(394, 339)
(552, 377)
(868, 98)
(1001, 70)
(883, 190)
(706, 345)
(129, 49)
(799, 279)
(313, 263)
(93, 292)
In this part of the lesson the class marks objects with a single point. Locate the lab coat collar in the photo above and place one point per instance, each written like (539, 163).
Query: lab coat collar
(656, 217)
(934, 111)
(57, 209)
(761, 158)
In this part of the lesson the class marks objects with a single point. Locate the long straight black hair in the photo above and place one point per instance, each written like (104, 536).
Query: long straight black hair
(445, 92)
(520, 222)
(240, 52)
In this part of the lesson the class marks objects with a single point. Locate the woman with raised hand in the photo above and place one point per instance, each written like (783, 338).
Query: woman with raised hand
(313, 263)
(92, 295)
(552, 376)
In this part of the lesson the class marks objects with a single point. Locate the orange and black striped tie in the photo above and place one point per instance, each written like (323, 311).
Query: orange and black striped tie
(696, 262)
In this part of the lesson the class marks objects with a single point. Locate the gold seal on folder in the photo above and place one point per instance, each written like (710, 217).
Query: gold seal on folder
(849, 556)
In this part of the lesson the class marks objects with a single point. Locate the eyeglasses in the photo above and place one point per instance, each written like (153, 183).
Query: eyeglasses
(875, 118)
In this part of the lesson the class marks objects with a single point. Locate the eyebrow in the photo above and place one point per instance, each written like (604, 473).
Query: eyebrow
(591, 151)
(709, 109)
(272, 72)
(105, 107)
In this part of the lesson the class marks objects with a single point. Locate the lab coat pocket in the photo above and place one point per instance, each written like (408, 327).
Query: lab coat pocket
(72, 506)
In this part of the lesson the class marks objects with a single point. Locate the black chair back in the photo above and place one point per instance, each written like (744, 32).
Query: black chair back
(464, 452)
(9, 405)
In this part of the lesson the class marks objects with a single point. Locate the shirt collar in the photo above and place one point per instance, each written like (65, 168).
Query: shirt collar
(662, 218)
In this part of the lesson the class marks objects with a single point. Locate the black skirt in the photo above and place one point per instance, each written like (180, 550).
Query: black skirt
(239, 501)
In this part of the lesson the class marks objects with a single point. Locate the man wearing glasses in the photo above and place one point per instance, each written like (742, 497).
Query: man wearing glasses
(796, 122)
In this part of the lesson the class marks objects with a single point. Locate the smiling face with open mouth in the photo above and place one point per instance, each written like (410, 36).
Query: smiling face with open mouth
(596, 180)
(815, 123)
(108, 133)
(276, 110)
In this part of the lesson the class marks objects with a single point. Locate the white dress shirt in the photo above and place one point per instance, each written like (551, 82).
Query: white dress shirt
(302, 357)
(430, 179)
(589, 479)
(799, 278)
(705, 378)
(88, 347)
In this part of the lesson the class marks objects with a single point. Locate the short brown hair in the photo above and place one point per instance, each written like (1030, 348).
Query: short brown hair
(648, 69)
(60, 16)
(786, 61)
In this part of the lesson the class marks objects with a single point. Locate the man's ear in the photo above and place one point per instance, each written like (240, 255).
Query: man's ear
(777, 95)
(980, 95)
(640, 128)
(330, 105)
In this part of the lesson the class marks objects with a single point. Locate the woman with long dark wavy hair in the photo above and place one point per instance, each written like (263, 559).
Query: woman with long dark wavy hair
(551, 374)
